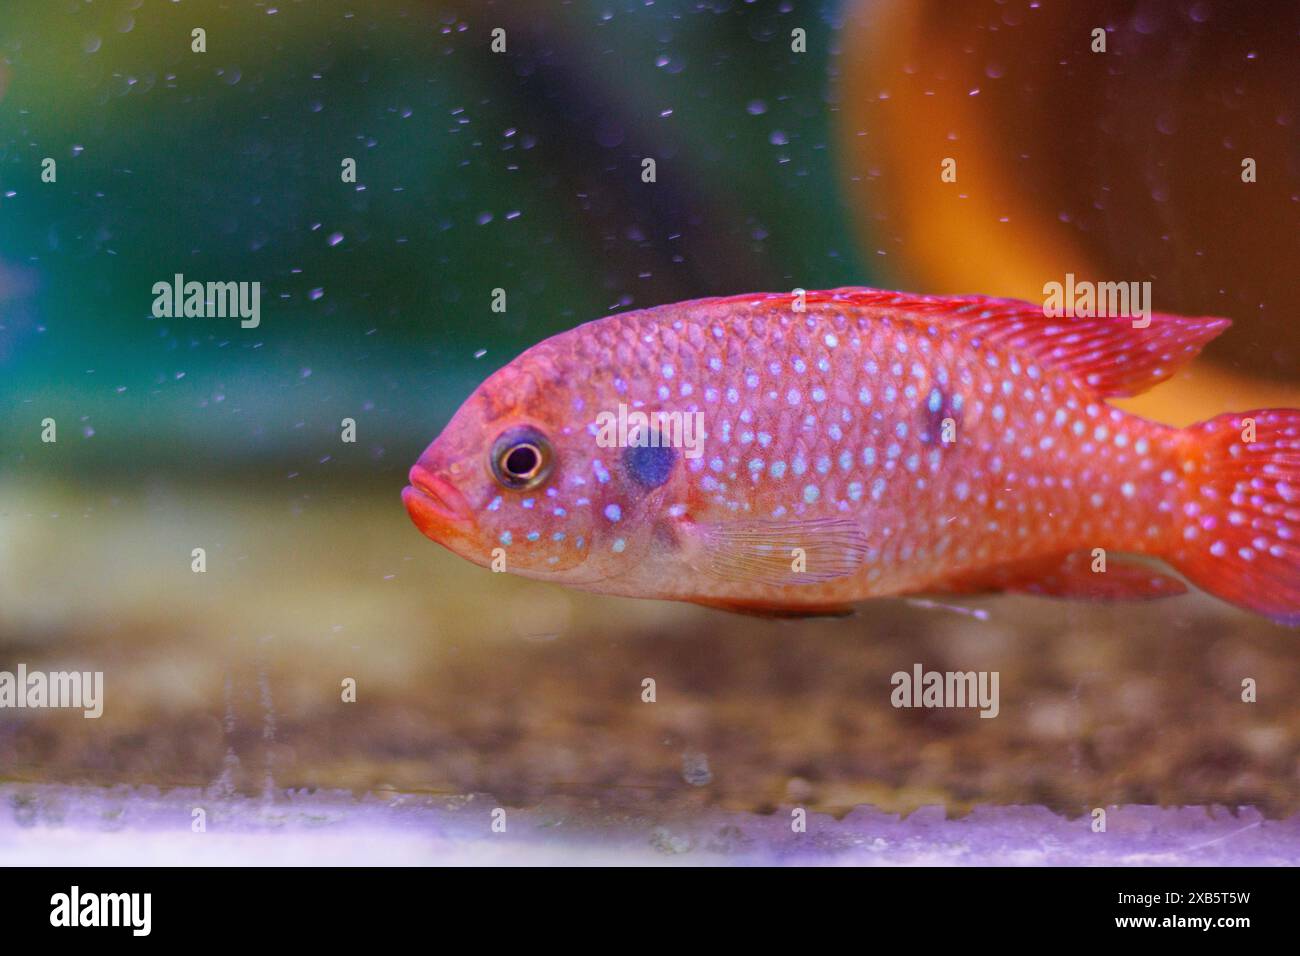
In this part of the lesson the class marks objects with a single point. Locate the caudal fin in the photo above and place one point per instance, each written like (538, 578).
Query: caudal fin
(1240, 534)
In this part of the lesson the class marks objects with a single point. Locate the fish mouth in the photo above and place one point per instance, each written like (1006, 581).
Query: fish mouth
(434, 504)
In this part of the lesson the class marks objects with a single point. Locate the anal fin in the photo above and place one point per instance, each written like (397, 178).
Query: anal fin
(1072, 576)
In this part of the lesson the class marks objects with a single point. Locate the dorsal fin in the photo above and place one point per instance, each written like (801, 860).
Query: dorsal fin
(1104, 354)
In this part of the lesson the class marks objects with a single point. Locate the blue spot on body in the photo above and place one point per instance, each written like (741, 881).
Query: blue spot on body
(939, 407)
(649, 466)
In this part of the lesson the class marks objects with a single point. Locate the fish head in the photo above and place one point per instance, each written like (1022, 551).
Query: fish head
(519, 468)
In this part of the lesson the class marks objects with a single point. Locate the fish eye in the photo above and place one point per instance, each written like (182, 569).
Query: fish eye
(521, 458)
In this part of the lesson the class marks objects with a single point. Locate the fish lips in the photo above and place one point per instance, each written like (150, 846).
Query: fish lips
(435, 505)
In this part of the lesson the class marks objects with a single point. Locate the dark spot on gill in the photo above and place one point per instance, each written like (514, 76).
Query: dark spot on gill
(665, 536)
(649, 465)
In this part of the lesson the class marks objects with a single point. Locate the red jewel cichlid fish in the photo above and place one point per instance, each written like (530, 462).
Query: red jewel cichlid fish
(792, 457)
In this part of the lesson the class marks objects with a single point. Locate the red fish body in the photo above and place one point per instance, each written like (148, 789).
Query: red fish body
(858, 443)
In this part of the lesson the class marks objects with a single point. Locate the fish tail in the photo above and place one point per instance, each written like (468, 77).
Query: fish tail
(1240, 524)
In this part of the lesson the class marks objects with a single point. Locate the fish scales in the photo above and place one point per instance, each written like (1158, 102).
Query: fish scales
(823, 413)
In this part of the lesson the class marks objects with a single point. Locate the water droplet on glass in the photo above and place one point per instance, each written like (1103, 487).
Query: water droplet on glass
(695, 769)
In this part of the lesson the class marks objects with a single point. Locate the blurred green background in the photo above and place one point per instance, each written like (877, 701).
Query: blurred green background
(476, 170)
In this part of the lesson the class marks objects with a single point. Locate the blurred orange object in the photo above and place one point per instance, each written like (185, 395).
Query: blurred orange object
(1123, 165)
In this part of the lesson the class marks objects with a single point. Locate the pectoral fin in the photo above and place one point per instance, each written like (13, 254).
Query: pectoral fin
(777, 553)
